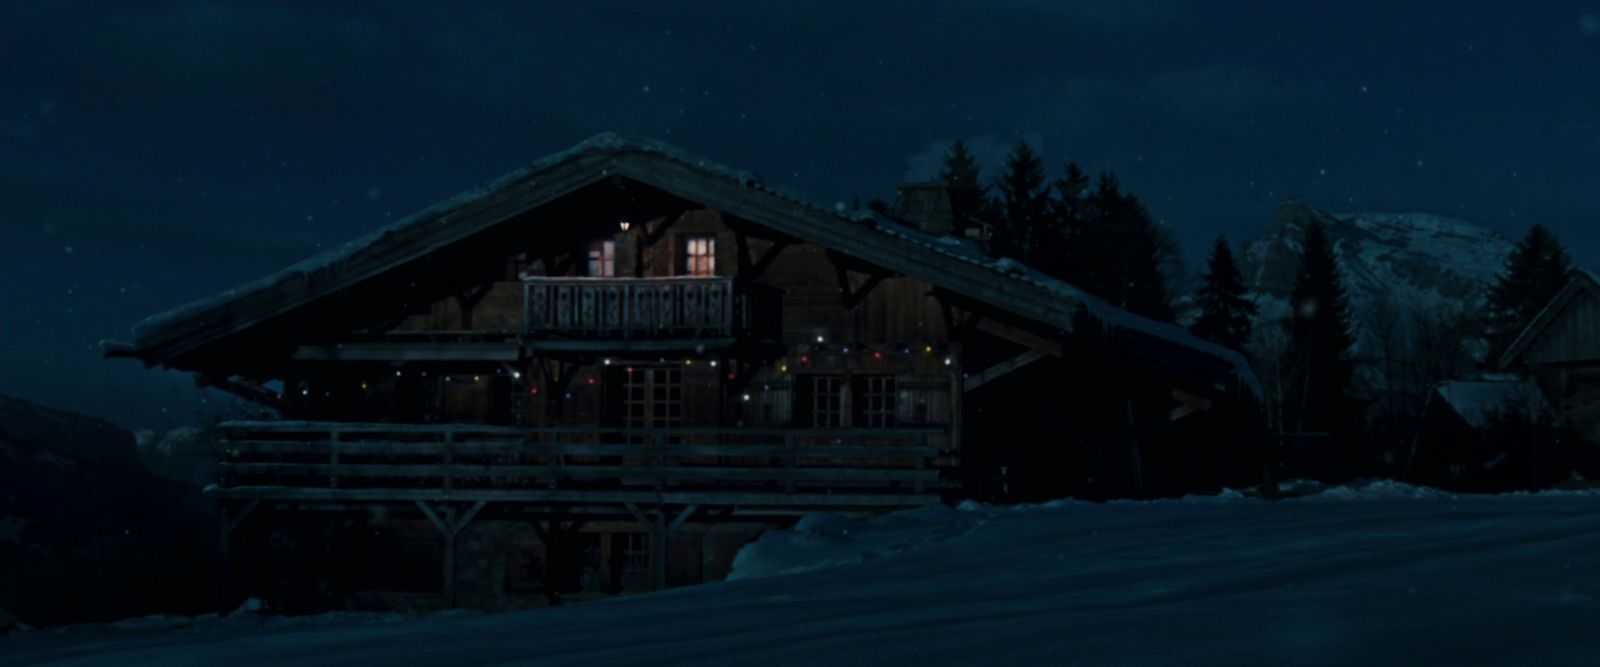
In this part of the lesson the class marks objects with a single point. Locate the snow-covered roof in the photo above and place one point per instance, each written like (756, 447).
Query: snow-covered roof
(608, 142)
(1480, 401)
(869, 236)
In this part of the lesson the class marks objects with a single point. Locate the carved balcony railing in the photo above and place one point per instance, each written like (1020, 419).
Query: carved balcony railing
(681, 307)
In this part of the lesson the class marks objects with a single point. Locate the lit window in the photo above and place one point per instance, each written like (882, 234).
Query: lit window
(603, 258)
(700, 255)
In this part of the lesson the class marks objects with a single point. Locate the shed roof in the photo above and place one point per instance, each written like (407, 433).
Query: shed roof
(1479, 401)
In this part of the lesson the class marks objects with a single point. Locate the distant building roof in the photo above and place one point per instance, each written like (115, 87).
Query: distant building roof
(1480, 401)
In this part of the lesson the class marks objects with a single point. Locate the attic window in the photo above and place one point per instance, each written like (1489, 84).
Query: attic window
(700, 255)
(603, 258)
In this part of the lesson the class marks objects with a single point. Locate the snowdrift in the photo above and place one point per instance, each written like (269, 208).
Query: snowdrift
(1374, 574)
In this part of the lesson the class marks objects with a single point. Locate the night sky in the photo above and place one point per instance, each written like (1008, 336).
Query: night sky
(154, 154)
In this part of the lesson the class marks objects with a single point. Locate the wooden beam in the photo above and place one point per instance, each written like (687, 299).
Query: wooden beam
(818, 475)
(660, 530)
(1189, 403)
(450, 527)
(410, 351)
(230, 523)
(387, 325)
(851, 297)
(467, 300)
(747, 499)
(653, 236)
(619, 345)
(860, 294)
(999, 370)
(1021, 337)
(754, 270)
(613, 446)
(250, 391)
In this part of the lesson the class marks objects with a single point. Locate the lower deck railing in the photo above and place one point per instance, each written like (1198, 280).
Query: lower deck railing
(346, 461)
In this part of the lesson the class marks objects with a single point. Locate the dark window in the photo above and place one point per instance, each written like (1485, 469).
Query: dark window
(873, 398)
(652, 397)
(823, 401)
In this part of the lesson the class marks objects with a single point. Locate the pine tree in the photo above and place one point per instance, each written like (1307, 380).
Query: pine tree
(1119, 253)
(1320, 340)
(1535, 272)
(963, 177)
(1070, 191)
(1225, 313)
(1023, 205)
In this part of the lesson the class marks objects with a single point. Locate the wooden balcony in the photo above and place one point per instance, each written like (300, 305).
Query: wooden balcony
(752, 469)
(658, 308)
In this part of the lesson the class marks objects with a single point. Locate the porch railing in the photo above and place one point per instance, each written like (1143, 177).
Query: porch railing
(333, 460)
(629, 307)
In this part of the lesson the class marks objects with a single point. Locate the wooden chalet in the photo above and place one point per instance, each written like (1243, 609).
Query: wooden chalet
(1560, 350)
(611, 368)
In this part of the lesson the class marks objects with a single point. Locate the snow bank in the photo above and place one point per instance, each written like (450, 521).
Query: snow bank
(1368, 574)
(823, 540)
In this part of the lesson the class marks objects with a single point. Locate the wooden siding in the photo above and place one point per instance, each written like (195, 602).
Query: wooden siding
(1573, 336)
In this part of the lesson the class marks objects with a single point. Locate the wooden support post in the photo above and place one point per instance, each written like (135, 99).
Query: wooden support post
(467, 300)
(788, 461)
(1133, 449)
(562, 557)
(658, 555)
(660, 529)
(450, 528)
(660, 443)
(449, 461)
(229, 524)
(333, 458)
(922, 442)
(553, 461)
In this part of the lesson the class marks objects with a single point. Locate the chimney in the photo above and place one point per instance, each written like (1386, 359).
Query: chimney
(926, 206)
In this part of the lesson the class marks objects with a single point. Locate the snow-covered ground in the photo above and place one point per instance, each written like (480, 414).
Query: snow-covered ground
(1376, 574)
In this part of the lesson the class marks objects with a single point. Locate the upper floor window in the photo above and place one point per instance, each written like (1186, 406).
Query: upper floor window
(700, 255)
(603, 258)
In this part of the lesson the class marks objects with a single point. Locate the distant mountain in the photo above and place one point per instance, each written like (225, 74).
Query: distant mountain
(1416, 258)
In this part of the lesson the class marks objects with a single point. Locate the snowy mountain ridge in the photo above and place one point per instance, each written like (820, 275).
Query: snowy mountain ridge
(1415, 260)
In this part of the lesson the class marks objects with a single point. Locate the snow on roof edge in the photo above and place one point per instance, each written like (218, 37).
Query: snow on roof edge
(1476, 400)
(616, 143)
(605, 142)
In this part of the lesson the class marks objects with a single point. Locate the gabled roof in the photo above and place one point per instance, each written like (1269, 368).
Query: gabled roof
(947, 262)
(1479, 401)
(1578, 282)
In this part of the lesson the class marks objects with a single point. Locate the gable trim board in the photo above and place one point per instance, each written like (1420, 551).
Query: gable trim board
(945, 262)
